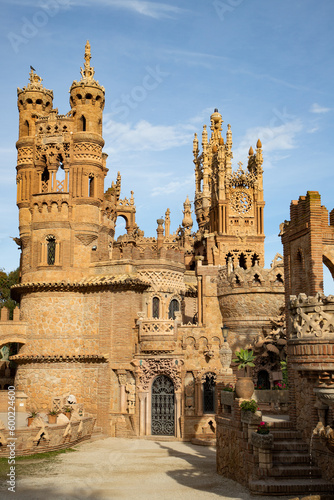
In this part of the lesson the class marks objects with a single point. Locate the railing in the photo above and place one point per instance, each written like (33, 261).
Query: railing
(156, 327)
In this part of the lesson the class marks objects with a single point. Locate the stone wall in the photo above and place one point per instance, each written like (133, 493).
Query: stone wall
(56, 437)
(234, 453)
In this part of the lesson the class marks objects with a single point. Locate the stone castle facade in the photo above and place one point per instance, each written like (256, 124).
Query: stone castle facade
(132, 327)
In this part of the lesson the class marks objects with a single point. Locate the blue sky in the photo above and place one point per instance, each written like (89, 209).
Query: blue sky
(267, 67)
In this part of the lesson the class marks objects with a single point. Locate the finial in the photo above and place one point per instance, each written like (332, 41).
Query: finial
(33, 77)
(88, 72)
(251, 151)
(259, 144)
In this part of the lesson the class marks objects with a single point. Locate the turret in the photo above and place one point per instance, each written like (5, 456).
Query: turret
(33, 101)
(87, 99)
(60, 180)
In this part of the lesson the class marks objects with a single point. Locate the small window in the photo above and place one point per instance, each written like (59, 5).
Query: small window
(26, 128)
(209, 394)
(83, 123)
(174, 307)
(156, 307)
(91, 186)
(242, 261)
(51, 250)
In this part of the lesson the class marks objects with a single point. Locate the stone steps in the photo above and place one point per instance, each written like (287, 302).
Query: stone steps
(285, 457)
(292, 472)
(292, 445)
(291, 486)
(285, 434)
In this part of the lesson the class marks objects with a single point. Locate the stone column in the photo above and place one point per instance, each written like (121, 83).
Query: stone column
(199, 398)
(123, 399)
(142, 413)
(178, 413)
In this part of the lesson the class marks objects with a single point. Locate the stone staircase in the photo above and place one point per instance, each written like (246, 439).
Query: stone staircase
(292, 472)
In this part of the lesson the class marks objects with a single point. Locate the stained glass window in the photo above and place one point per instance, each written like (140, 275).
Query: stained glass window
(51, 250)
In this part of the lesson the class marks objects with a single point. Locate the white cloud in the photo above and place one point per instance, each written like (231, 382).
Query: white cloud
(316, 108)
(173, 186)
(274, 139)
(195, 58)
(155, 10)
(144, 136)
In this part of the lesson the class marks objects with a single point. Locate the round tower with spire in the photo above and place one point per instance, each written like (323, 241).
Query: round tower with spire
(60, 179)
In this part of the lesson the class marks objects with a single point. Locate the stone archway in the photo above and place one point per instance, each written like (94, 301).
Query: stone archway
(148, 371)
(162, 407)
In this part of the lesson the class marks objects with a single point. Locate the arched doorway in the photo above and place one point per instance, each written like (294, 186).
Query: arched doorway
(263, 381)
(163, 407)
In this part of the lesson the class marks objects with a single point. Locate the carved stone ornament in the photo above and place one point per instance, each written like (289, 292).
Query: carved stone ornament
(225, 355)
(86, 239)
(312, 316)
(150, 368)
(325, 394)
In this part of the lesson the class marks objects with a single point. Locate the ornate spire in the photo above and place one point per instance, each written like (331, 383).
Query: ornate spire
(187, 221)
(167, 222)
(88, 72)
(35, 84)
(216, 125)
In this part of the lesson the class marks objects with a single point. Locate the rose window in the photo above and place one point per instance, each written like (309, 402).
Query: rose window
(241, 202)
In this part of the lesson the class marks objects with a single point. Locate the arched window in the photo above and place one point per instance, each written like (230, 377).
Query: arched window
(263, 381)
(156, 307)
(45, 180)
(174, 307)
(91, 186)
(26, 128)
(242, 261)
(209, 394)
(83, 123)
(51, 250)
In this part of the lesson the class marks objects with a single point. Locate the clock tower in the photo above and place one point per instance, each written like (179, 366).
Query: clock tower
(228, 205)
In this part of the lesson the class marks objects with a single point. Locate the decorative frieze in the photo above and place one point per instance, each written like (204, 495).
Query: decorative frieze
(312, 317)
(150, 368)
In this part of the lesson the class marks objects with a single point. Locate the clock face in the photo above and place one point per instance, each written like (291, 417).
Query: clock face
(241, 202)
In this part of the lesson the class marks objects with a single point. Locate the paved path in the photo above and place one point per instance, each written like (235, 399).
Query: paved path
(127, 469)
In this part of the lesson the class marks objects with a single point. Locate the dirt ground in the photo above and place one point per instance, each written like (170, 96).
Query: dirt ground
(126, 469)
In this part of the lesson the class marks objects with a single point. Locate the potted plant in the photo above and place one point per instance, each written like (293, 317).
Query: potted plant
(244, 387)
(67, 410)
(250, 412)
(262, 438)
(227, 395)
(32, 414)
(52, 416)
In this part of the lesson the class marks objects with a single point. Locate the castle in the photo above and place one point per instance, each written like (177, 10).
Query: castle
(132, 327)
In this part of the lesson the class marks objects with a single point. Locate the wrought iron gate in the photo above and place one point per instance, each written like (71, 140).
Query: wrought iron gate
(163, 406)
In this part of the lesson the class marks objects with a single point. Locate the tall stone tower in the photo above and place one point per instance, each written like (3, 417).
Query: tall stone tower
(228, 205)
(66, 220)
